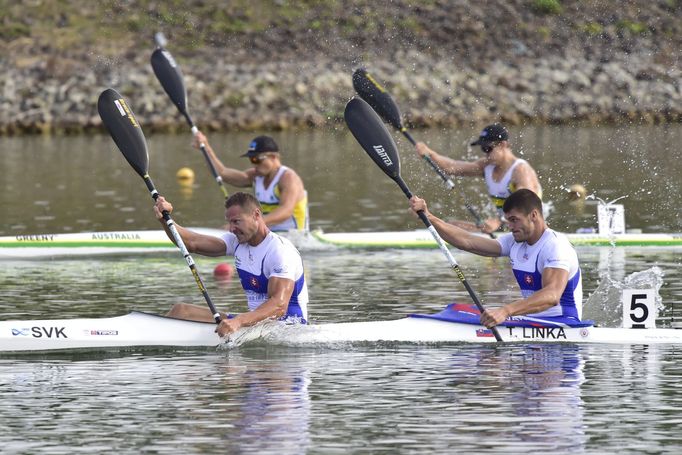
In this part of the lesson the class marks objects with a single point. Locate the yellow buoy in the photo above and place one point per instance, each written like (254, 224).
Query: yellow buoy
(185, 173)
(577, 192)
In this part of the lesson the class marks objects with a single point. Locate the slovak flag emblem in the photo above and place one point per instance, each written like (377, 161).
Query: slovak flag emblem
(528, 279)
(254, 282)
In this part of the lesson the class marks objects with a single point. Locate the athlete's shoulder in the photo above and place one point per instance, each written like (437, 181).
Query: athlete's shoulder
(229, 238)
(231, 242)
(558, 236)
(558, 241)
(279, 242)
(251, 173)
(290, 176)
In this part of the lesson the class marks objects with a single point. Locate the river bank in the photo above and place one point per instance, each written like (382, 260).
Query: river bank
(444, 66)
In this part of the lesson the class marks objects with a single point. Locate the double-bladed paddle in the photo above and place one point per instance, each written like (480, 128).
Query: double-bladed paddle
(126, 132)
(377, 97)
(169, 75)
(384, 105)
(375, 139)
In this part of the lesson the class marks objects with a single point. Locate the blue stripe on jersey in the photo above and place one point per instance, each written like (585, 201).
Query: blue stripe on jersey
(259, 284)
(530, 282)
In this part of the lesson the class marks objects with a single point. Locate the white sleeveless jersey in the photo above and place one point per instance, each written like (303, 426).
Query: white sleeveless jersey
(269, 201)
(275, 256)
(529, 261)
(499, 191)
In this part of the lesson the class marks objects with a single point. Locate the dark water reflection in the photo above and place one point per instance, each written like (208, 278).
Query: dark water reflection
(507, 399)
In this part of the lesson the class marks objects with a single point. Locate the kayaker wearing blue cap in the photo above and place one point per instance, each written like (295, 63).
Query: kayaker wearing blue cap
(278, 188)
(504, 173)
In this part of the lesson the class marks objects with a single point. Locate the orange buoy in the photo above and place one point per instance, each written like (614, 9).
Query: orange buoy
(223, 271)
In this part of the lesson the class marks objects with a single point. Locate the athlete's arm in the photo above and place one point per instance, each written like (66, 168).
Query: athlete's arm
(450, 166)
(457, 237)
(206, 245)
(291, 191)
(524, 176)
(554, 282)
(232, 176)
(491, 225)
(279, 294)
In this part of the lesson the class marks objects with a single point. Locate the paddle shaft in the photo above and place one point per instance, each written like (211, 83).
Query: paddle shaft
(183, 249)
(202, 147)
(168, 73)
(448, 182)
(384, 105)
(451, 259)
(370, 132)
(126, 132)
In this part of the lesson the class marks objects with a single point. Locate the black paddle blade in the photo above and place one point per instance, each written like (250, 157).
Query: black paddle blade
(373, 136)
(124, 128)
(377, 97)
(169, 75)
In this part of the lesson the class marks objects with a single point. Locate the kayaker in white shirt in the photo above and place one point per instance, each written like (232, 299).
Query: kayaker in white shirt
(269, 266)
(503, 172)
(544, 263)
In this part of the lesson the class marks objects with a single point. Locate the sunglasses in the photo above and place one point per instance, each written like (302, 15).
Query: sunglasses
(257, 159)
(487, 148)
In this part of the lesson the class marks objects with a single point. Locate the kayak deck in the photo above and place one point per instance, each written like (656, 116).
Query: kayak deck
(139, 330)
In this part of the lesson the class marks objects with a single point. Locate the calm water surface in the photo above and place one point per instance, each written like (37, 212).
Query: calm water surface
(383, 398)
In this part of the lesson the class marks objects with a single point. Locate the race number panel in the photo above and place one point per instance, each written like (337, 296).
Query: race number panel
(611, 219)
(639, 308)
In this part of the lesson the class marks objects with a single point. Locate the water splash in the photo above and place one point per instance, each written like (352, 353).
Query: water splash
(602, 201)
(547, 209)
(306, 241)
(605, 303)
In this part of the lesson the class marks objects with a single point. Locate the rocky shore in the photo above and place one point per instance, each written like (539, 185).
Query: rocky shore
(625, 68)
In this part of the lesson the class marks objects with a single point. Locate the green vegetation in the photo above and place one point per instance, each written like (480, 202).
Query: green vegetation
(636, 28)
(116, 24)
(544, 32)
(11, 31)
(547, 6)
(591, 28)
(112, 28)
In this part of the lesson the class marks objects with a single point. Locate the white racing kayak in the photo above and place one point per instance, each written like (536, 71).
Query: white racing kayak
(144, 330)
(155, 241)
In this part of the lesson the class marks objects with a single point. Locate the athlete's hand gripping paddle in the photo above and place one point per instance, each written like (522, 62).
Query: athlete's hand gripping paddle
(374, 138)
(126, 132)
(384, 105)
(169, 75)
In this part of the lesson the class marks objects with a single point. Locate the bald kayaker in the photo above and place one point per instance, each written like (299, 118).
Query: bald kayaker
(504, 173)
(269, 266)
(543, 261)
(278, 188)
